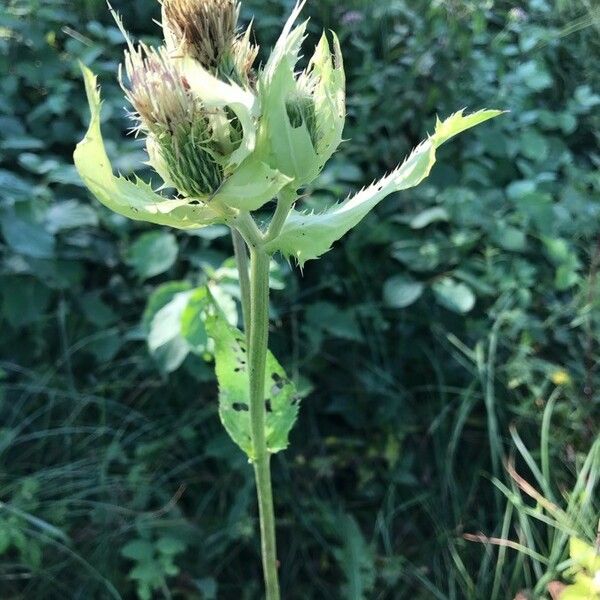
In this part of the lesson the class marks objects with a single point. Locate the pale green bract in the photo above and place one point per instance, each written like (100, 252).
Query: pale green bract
(252, 185)
(231, 365)
(306, 236)
(217, 94)
(133, 200)
(248, 187)
(317, 96)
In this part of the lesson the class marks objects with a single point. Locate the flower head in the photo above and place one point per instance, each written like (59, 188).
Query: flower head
(207, 31)
(182, 140)
(156, 90)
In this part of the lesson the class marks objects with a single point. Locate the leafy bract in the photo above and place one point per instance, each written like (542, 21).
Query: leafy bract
(251, 182)
(234, 394)
(289, 147)
(218, 95)
(307, 236)
(135, 200)
(252, 185)
(300, 147)
(326, 69)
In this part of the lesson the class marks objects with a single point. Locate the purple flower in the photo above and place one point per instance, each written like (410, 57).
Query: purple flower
(352, 17)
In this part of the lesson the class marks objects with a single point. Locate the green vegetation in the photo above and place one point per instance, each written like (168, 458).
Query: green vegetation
(448, 350)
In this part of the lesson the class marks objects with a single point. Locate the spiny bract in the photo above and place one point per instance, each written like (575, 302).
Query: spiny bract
(229, 138)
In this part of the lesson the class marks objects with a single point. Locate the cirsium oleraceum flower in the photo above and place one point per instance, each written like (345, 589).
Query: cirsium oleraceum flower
(200, 128)
(229, 137)
(181, 134)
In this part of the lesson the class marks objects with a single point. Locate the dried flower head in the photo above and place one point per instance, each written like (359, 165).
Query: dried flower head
(207, 30)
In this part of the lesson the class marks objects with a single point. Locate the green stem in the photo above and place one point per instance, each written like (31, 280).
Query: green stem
(284, 205)
(247, 227)
(243, 266)
(257, 356)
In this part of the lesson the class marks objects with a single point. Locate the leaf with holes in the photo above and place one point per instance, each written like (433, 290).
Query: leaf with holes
(234, 395)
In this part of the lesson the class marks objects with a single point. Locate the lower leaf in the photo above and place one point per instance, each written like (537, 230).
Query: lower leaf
(281, 399)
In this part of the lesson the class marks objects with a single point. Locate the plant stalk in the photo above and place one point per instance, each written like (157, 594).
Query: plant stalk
(257, 356)
(284, 205)
(243, 267)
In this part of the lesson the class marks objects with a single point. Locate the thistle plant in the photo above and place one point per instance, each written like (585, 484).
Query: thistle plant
(229, 138)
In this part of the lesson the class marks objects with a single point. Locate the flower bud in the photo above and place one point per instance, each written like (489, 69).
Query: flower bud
(200, 131)
(320, 99)
(303, 114)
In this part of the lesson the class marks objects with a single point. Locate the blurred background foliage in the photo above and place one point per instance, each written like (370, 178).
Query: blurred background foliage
(448, 349)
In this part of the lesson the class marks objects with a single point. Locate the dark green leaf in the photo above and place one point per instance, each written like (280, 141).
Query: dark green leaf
(401, 291)
(153, 253)
(138, 550)
(13, 187)
(26, 237)
(429, 216)
(69, 215)
(170, 546)
(24, 300)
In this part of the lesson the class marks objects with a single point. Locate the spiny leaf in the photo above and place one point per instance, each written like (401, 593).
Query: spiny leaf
(307, 236)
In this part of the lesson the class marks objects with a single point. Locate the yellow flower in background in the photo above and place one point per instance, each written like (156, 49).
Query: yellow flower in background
(560, 377)
(586, 575)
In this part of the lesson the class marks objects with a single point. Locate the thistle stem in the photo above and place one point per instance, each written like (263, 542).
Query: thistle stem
(243, 266)
(248, 229)
(257, 356)
(284, 205)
